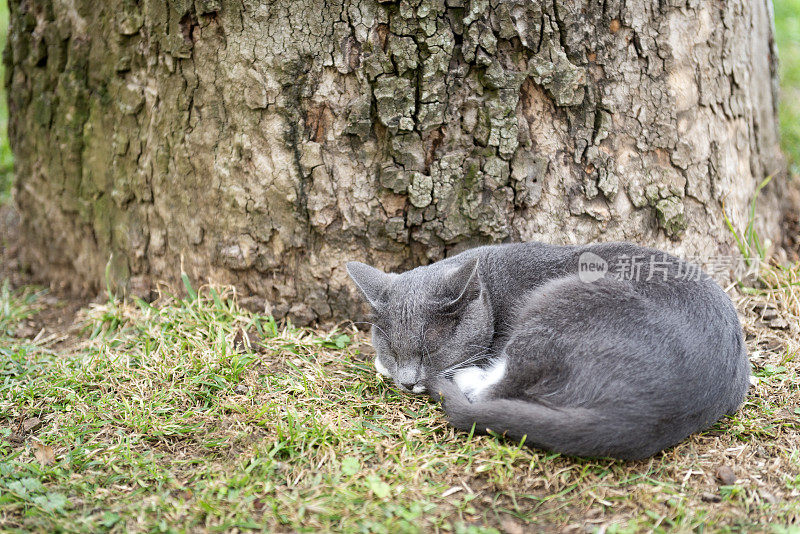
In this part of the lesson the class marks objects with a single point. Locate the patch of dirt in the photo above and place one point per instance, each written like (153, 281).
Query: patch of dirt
(791, 223)
(56, 318)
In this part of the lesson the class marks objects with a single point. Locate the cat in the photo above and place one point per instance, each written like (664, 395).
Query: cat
(601, 350)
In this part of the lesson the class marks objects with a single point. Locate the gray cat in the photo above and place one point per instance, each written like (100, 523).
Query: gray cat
(600, 350)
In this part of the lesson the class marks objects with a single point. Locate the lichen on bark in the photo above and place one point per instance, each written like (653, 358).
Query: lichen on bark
(265, 144)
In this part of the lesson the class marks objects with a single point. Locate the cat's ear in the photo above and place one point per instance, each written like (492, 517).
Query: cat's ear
(462, 286)
(370, 281)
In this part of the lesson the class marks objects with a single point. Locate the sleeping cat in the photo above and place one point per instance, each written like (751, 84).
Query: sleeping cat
(600, 350)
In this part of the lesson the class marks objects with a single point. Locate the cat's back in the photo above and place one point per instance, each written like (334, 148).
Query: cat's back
(633, 342)
(511, 271)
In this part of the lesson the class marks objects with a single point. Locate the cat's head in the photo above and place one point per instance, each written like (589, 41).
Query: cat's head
(427, 320)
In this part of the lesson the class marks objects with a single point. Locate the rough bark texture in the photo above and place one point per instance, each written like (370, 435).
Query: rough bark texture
(263, 144)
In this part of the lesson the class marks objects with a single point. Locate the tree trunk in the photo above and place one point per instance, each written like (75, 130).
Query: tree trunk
(264, 144)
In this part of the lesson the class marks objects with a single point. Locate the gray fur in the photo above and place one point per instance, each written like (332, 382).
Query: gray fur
(621, 366)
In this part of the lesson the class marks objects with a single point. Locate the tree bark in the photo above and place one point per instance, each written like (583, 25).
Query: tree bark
(264, 144)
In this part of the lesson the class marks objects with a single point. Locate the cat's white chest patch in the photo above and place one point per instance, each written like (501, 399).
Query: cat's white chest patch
(381, 368)
(474, 381)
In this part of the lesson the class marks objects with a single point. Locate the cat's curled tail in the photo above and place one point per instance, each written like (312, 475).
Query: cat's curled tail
(573, 431)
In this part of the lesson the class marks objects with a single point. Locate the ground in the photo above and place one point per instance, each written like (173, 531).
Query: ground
(194, 414)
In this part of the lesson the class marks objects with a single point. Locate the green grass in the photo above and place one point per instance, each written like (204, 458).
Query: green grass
(787, 29)
(161, 419)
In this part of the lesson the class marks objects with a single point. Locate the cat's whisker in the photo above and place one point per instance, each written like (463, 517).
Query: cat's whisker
(425, 352)
(477, 346)
(468, 362)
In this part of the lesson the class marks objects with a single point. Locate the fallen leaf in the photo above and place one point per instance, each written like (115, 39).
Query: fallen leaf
(366, 350)
(454, 489)
(26, 331)
(726, 475)
(779, 324)
(772, 345)
(43, 453)
(31, 424)
(765, 311)
(710, 497)
(511, 527)
(243, 341)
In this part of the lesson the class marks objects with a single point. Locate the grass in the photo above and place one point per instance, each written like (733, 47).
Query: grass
(750, 245)
(787, 30)
(194, 414)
